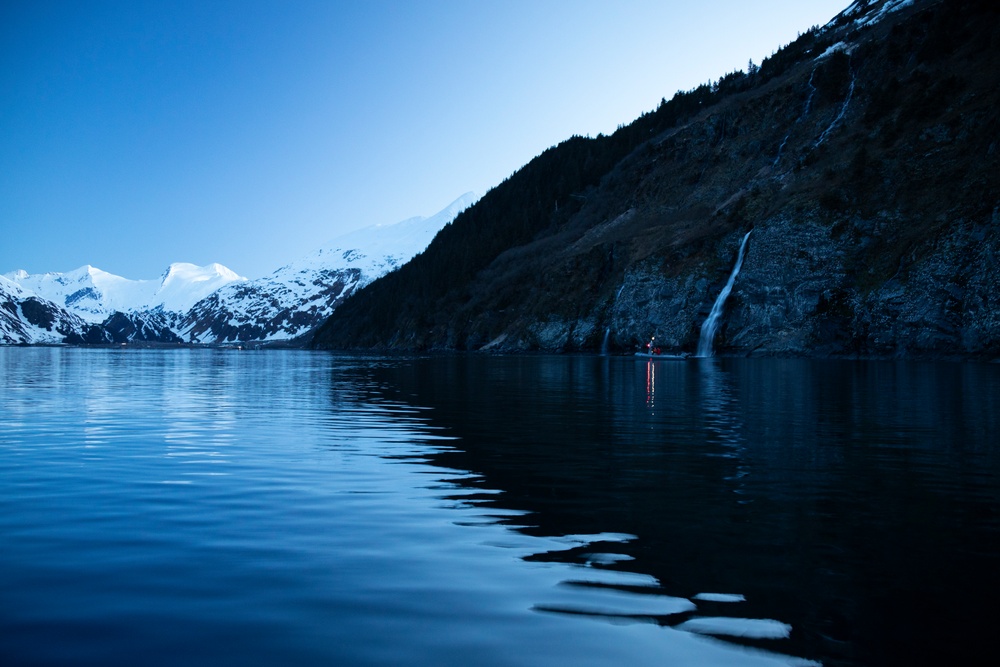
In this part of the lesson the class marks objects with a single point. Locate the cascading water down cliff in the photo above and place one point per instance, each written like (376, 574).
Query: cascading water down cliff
(607, 332)
(711, 325)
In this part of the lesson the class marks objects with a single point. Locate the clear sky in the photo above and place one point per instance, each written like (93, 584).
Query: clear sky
(134, 134)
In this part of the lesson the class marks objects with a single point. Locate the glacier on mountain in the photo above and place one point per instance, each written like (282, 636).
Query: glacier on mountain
(299, 296)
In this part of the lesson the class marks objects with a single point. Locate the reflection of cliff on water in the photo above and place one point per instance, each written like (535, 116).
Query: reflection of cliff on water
(855, 501)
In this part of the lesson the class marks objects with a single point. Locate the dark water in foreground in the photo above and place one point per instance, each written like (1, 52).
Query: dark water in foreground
(205, 507)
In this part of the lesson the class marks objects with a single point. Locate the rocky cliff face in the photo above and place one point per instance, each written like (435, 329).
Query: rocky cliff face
(866, 168)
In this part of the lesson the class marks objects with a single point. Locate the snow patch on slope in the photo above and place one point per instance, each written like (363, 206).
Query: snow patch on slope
(887, 8)
(867, 12)
(839, 46)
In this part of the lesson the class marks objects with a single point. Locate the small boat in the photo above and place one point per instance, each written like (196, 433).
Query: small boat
(653, 352)
(664, 357)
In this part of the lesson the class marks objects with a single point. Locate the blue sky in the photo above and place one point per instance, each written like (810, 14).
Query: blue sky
(136, 134)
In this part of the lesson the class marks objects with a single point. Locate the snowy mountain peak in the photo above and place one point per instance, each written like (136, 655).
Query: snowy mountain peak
(453, 209)
(83, 272)
(380, 248)
(447, 214)
(93, 294)
(185, 272)
(184, 285)
(301, 295)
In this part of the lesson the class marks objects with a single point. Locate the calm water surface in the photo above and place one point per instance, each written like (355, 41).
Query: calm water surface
(205, 507)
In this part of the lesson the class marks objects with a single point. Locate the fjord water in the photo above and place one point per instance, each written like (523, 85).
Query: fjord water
(220, 507)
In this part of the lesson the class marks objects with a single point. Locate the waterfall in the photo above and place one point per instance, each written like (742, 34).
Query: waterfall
(805, 112)
(843, 110)
(607, 332)
(777, 158)
(711, 325)
(812, 91)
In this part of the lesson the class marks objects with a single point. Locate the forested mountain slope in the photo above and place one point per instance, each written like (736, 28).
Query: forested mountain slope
(863, 156)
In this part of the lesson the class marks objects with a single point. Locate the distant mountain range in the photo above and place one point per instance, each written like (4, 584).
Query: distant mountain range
(95, 295)
(210, 304)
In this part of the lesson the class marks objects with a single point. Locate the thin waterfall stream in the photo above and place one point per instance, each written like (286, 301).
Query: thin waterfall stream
(843, 110)
(805, 112)
(711, 325)
(607, 332)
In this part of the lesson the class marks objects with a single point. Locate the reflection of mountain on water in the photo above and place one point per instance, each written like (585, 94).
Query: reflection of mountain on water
(745, 499)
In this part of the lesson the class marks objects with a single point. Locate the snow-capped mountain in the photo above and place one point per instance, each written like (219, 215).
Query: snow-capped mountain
(94, 295)
(209, 304)
(25, 318)
(299, 296)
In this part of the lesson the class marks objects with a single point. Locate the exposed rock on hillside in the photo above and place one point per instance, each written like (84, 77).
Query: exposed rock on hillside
(267, 309)
(25, 318)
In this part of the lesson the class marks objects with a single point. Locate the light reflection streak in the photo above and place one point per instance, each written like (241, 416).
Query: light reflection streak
(722, 418)
(650, 384)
